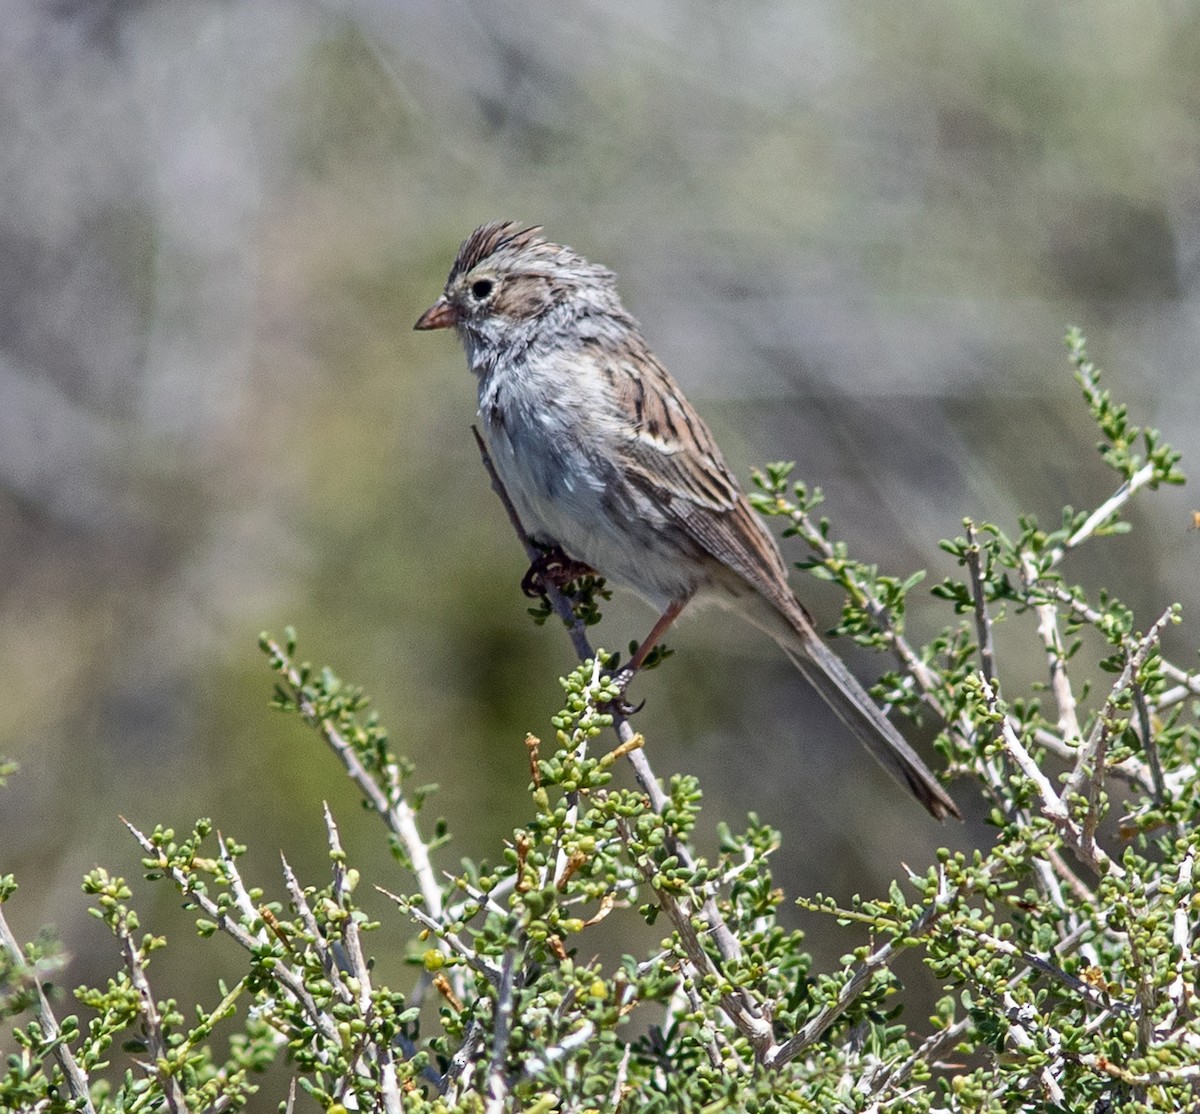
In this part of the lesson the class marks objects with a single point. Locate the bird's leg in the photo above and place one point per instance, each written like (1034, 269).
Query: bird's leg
(552, 566)
(626, 674)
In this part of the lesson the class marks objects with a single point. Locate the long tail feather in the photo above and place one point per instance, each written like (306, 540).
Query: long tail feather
(855, 708)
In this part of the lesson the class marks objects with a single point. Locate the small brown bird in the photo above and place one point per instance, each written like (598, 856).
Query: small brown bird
(603, 457)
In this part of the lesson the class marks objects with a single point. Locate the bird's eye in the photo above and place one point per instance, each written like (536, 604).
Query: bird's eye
(481, 288)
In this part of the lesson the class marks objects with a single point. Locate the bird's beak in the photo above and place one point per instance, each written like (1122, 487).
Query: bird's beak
(440, 315)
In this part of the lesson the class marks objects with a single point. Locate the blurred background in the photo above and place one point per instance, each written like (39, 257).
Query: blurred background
(856, 233)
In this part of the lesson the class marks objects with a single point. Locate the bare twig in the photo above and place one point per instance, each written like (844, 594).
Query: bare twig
(1022, 1022)
(1181, 933)
(382, 1053)
(618, 1090)
(1188, 684)
(497, 1085)
(1060, 684)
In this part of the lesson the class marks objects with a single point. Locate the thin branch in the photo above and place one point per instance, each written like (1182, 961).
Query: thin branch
(497, 1084)
(1188, 684)
(152, 1028)
(1103, 513)
(737, 1003)
(455, 943)
(355, 965)
(1181, 932)
(1060, 684)
(932, 1047)
(74, 1076)
(1087, 756)
(618, 1089)
(392, 806)
(881, 957)
(983, 622)
(251, 942)
(1088, 993)
(1053, 806)
(1021, 1022)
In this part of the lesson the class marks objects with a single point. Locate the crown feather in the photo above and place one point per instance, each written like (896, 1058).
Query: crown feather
(490, 238)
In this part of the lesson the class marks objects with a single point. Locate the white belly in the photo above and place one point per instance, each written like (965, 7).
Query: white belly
(559, 468)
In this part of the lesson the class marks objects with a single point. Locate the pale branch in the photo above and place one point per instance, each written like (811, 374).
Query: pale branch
(457, 1079)
(237, 887)
(1187, 684)
(1081, 890)
(1087, 756)
(1089, 994)
(152, 1027)
(392, 805)
(1181, 933)
(354, 959)
(927, 1052)
(455, 943)
(303, 909)
(881, 957)
(983, 622)
(1103, 513)
(737, 1003)
(1060, 684)
(1022, 1022)
(73, 1075)
(618, 1088)
(994, 773)
(1053, 806)
(351, 963)
(251, 942)
(497, 1082)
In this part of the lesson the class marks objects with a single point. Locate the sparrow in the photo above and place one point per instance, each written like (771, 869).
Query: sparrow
(605, 460)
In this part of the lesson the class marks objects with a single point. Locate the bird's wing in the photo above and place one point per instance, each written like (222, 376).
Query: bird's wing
(670, 453)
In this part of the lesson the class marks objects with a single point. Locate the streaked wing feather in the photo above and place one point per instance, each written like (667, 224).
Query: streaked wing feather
(671, 453)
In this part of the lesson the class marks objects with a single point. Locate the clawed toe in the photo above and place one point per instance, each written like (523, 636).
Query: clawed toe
(552, 567)
(621, 681)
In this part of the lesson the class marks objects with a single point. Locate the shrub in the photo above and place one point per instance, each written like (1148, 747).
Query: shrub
(1066, 946)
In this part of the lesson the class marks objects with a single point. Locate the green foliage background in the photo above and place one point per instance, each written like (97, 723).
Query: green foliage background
(854, 234)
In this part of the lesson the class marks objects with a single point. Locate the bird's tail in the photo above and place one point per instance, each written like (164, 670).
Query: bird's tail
(855, 708)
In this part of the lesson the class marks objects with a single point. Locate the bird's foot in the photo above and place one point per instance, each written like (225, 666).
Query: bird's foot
(621, 680)
(552, 567)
